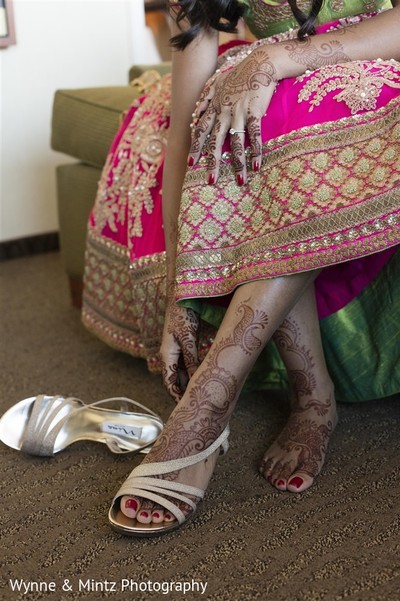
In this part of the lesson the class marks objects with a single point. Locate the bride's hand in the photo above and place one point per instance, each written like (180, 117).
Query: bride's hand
(232, 102)
(178, 350)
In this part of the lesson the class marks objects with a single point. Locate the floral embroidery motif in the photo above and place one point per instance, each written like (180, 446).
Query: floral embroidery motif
(129, 176)
(359, 83)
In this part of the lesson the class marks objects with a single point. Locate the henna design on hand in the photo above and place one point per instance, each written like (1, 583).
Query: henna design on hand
(183, 325)
(212, 158)
(238, 157)
(250, 84)
(251, 75)
(254, 131)
(198, 135)
(306, 52)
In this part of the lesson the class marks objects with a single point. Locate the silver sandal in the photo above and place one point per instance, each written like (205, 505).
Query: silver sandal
(45, 425)
(144, 482)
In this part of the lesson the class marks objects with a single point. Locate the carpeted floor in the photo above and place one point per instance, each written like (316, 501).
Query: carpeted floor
(339, 540)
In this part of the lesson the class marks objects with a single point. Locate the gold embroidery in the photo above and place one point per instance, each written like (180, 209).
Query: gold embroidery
(360, 83)
(124, 304)
(263, 14)
(336, 5)
(125, 188)
(304, 211)
(145, 81)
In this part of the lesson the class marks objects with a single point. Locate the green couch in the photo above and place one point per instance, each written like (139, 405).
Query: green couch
(84, 123)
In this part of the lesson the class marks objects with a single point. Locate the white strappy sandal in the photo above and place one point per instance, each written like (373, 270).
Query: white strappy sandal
(143, 482)
(45, 425)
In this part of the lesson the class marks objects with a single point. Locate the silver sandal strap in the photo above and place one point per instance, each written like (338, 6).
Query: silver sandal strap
(45, 423)
(165, 467)
(140, 483)
(42, 427)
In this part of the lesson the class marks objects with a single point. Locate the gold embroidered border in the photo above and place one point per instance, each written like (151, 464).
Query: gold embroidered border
(313, 138)
(124, 304)
(137, 330)
(366, 218)
(281, 267)
(106, 245)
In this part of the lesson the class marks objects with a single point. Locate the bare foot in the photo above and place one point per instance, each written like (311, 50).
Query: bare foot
(296, 457)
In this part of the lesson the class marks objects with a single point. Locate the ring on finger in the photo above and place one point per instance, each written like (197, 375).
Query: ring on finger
(236, 131)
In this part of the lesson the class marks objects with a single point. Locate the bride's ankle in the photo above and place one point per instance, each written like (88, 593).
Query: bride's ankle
(321, 398)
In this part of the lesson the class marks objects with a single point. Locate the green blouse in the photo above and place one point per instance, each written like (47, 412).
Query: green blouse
(270, 17)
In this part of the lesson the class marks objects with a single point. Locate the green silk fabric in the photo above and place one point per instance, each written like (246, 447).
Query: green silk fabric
(278, 16)
(361, 342)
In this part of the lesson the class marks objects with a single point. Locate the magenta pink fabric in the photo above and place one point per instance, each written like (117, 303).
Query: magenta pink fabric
(337, 285)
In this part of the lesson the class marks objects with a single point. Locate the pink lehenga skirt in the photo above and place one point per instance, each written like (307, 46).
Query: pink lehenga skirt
(327, 196)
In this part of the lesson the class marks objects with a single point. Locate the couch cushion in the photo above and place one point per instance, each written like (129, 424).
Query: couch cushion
(76, 192)
(85, 121)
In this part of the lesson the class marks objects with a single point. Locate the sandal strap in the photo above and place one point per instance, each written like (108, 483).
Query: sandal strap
(140, 483)
(161, 486)
(123, 399)
(163, 502)
(44, 423)
(114, 444)
(165, 467)
(43, 427)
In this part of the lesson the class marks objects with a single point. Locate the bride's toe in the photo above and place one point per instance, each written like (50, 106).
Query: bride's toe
(157, 515)
(169, 517)
(144, 515)
(130, 506)
(299, 482)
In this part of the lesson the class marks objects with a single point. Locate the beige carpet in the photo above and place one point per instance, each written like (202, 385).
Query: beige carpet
(339, 540)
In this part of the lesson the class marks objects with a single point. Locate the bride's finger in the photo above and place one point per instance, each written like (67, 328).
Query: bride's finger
(254, 132)
(237, 152)
(214, 147)
(200, 131)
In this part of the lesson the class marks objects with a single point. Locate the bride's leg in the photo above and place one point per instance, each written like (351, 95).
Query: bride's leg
(255, 312)
(297, 456)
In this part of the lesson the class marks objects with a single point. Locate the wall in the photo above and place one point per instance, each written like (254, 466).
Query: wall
(60, 44)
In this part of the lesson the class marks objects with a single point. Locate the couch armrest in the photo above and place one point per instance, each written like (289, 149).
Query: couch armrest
(138, 70)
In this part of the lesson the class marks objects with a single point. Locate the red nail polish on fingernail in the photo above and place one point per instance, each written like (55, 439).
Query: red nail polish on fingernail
(131, 504)
(240, 179)
(281, 483)
(297, 482)
(256, 166)
(211, 179)
(190, 162)
(144, 514)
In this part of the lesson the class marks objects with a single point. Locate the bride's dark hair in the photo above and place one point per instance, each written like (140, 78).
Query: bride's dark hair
(223, 15)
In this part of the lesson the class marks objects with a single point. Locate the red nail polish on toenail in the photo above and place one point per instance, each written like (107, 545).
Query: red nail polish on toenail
(281, 483)
(131, 504)
(144, 514)
(297, 482)
(168, 516)
(156, 515)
